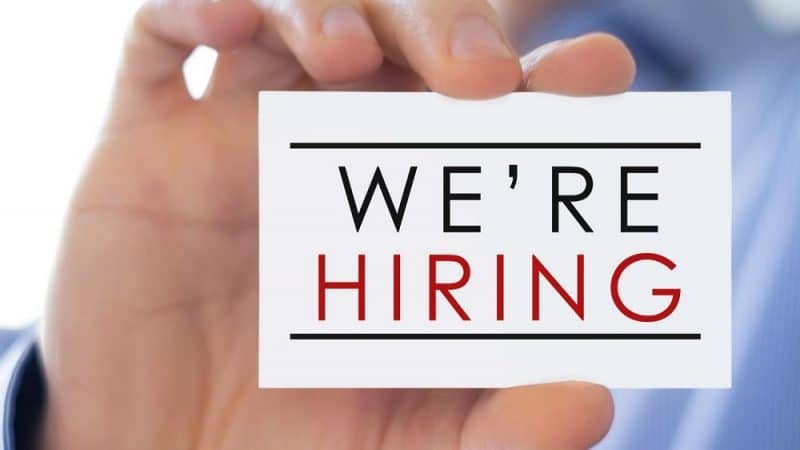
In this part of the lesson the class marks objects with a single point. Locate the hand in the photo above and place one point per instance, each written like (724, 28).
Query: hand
(151, 331)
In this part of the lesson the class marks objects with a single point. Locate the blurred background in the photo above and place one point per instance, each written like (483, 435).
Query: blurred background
(58, 62)
(59, 59)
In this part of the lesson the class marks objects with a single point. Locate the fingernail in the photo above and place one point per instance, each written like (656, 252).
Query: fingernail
(476, 38)
(344, 21)
(546, 49)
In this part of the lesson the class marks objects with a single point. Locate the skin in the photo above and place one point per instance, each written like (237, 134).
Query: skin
(150, 336)
(518, 16)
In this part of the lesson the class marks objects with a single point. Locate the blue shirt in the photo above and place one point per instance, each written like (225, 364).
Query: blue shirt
(720, 45)
(679, 45)
(21, 389)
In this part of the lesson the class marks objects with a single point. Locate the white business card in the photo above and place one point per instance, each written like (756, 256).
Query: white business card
(413, 240)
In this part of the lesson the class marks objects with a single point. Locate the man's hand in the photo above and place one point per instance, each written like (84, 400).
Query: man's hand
(151, 332)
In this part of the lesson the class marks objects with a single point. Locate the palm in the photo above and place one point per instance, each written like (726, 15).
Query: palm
(152, 324)
(179, 213)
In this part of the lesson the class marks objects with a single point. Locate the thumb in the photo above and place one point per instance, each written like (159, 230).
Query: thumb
(594, 64)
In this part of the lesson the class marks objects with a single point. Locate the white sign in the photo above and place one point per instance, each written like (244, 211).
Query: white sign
(412, 240)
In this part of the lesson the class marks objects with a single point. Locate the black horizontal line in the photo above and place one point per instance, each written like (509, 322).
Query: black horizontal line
(493, 336)
(497, 145)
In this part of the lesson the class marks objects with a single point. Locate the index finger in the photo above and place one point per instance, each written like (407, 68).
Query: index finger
(165, 32)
